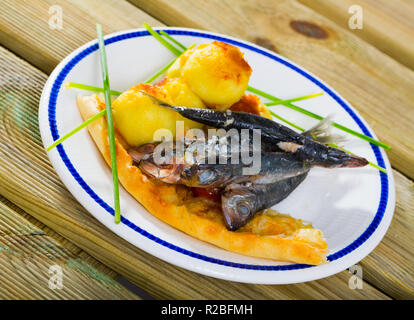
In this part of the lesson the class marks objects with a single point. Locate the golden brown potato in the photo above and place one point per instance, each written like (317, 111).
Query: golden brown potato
(216, 72)
(251, 104)
(137, 117)
(175, 71)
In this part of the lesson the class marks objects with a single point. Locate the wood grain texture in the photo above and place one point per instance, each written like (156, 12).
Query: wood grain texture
(24, 26)
(27, 179)
(380, 88)
(28, 249)
(388, 25)
(390, 267)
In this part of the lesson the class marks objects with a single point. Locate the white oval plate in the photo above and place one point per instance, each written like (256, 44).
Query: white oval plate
(353, 207)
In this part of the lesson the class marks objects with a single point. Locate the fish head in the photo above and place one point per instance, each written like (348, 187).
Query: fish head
(336, 158)
(317, 154)
(166, 172)
(238, 205)
(142, 152)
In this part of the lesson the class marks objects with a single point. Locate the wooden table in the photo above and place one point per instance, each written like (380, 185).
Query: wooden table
(40, 222)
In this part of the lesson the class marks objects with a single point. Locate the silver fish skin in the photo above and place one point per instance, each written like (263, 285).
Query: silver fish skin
(275, 136)
(275, 166)
(240, 202)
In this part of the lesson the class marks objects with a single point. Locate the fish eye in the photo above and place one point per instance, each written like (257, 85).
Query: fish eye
(243, 208)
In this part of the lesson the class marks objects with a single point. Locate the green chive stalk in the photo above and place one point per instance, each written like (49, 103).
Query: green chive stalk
(111, 133)
(165, 34)
(71, 133)
(286, 121)
(156, 35)
(275, 103)
(89, 88)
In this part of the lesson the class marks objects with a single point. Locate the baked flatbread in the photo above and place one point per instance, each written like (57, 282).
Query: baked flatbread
(276, 237)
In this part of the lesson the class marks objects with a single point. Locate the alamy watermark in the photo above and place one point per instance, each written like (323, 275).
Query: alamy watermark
(356, 21)
(355, 281)
(56, 277)
(56, 17)
(218, 147)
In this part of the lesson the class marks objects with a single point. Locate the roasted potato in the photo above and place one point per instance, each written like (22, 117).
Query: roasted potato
(251, 104)
(216, 72)
(175, 71)
(137, 117)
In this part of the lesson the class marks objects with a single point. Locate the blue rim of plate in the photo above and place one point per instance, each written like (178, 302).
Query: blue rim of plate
(335, 256)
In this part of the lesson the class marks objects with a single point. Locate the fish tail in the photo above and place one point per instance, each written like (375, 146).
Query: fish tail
(322, 132)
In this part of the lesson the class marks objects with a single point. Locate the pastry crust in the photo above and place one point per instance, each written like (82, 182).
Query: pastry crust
(304, 246)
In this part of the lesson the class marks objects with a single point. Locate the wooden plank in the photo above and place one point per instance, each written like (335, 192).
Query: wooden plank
(27, 179)
(378, 86)
(25, 26)
(28, 250)
(68, 246)
(388, 25)
(390, 267)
